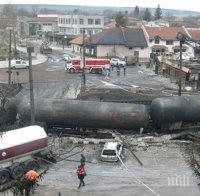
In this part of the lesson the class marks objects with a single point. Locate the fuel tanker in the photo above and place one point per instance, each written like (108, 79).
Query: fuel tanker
(18, 149)
(86, 114)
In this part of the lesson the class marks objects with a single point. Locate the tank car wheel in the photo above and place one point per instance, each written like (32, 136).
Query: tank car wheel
(16, 171)
(29, 165)
(4, 176)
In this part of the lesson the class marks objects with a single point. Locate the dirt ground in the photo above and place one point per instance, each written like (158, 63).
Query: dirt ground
(165, 171)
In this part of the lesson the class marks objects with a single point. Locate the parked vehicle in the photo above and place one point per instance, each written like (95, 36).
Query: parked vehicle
(19, 63)
(45, 49)
(66, 57)
(111, 151)
(18, 151)
(76, 65)
(115, 62)
(131, 60)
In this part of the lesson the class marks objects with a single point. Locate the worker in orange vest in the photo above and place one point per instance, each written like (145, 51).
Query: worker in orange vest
(81, 174)
(31, 175)
(31, 178)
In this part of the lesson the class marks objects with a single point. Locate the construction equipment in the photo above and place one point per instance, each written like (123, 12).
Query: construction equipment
(45, 49)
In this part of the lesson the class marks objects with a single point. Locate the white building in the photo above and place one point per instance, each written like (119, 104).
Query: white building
(163, 40)
(73, 24)
(48, 21)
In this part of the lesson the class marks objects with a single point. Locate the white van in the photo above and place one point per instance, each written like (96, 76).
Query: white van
(110, 151)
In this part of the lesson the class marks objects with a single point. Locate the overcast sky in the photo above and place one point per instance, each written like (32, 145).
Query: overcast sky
(193, 5)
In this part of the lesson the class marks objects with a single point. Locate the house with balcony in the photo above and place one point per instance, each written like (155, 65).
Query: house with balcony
(195, 38)
(73, 24)
(163, 40)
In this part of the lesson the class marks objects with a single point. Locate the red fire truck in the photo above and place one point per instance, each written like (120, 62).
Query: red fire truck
(91, 65)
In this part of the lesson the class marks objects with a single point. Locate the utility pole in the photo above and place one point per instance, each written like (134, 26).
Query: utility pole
(180, 74)
(83, 58)
(15, 45)
(9, 58)
(182, 39)
(29, 51)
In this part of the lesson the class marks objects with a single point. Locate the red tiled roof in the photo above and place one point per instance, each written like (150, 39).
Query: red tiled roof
(78, 40)
(159, 47)
(165, 33)
(195, 34)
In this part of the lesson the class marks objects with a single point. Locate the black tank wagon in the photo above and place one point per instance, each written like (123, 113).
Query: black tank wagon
(87, 114)
(167, 111)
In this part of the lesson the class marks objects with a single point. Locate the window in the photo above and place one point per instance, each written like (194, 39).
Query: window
(109, 152)
(97, 21)
(90, 21)
(81, 21)
(169, 42)
(157, 40)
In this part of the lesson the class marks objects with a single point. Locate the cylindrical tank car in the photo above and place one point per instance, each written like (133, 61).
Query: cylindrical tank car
(167, 111)
(87, 114)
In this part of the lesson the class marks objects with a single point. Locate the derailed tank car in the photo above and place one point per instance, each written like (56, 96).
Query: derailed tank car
(17, 148)
(173, 112)
(87, 114)
(8, 114)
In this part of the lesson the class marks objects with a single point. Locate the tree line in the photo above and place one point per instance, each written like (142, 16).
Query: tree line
(146, 15)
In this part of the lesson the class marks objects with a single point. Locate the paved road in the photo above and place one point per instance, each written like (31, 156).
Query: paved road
(51, 76)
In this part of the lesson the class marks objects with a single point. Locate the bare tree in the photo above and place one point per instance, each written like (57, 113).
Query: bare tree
(35, 10)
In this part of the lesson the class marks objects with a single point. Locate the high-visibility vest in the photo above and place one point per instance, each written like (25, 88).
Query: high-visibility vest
(31, 175)
(80, 170)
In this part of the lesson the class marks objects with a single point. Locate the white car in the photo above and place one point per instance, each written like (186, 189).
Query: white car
(111, 151)
(117, 62)
(66, 57)
(19, 63)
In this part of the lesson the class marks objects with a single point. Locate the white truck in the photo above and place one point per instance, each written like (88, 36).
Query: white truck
(17, 149)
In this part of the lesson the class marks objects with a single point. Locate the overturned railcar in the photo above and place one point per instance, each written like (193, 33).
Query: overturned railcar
(174, 112)
(87, 114)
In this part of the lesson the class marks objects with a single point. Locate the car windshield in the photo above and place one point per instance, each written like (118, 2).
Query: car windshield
(109, 152)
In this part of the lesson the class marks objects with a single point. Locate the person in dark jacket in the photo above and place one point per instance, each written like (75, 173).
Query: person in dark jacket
(81, 173)
(82, 160)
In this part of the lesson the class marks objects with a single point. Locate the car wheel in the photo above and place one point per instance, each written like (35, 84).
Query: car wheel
(92, 71)
(13, 67)
(72, 71)
(27, 67)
